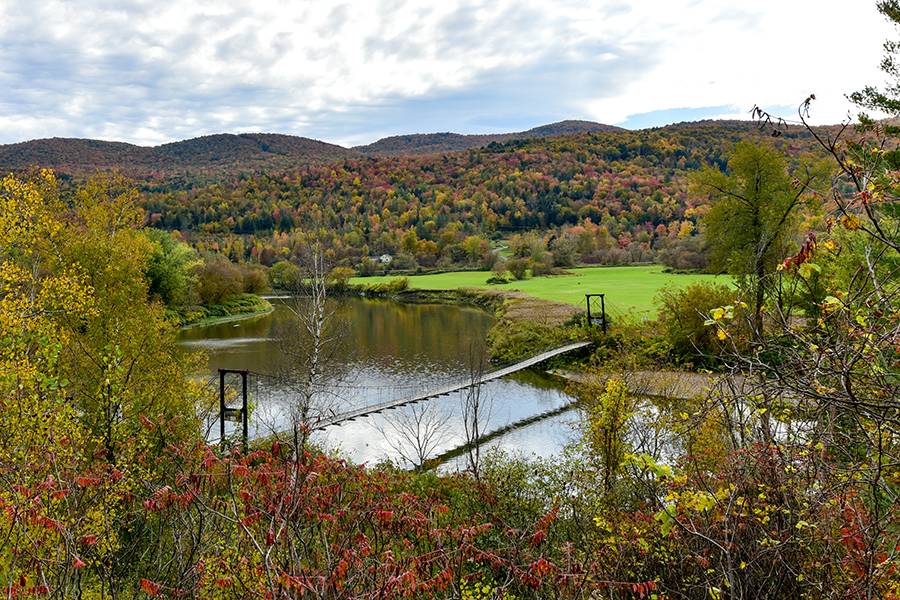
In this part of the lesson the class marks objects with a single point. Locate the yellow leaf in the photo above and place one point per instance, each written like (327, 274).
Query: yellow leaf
(850, 222)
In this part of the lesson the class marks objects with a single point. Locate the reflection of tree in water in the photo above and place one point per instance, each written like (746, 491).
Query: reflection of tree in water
(536, 379)
(411, 338)
(415, 432)
(383, 347)
(409, 333)
(292, 366)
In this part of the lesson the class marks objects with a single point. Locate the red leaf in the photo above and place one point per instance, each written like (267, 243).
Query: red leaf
(150, 588)
(384, 516)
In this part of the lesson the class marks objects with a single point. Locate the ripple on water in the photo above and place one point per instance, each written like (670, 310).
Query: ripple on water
(219, 343)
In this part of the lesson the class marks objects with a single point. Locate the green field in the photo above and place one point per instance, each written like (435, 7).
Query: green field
(626, 288)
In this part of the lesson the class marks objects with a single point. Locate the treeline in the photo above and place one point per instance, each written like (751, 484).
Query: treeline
(192, 286)
(626, 190)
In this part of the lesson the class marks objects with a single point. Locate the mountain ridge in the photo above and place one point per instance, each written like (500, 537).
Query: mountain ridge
(229, 154)
(210, 152)
(249, 151)
(435, 143)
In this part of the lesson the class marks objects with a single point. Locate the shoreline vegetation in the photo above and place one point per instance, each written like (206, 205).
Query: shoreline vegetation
(524, 325)
(538, 313)
(237, 308)
(531, 315)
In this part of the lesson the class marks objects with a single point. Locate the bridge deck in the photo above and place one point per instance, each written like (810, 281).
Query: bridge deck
(447, 389)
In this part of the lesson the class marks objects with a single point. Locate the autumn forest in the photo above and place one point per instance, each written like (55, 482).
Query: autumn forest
(723, 424)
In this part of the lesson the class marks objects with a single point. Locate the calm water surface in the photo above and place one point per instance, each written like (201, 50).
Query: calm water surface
(388, 350)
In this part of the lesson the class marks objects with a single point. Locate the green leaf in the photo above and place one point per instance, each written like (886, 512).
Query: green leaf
(666, 521)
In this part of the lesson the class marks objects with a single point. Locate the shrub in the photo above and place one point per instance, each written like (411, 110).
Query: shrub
(340, 276)
(499, 273)
(565, 250)
(542, 265)
(527, 245)
(404, 262)
(518, 267)
(683, 313)
(284, 275)
(391, 286)
(368, 266)
(218, 279)
(686, 254)
(254, 279)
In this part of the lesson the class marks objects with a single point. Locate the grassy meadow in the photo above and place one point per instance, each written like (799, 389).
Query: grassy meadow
(627, 289)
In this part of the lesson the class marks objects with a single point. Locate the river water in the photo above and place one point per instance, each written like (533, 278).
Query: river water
(382, 350)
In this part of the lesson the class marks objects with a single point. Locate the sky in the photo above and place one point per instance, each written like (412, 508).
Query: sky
(155, 71)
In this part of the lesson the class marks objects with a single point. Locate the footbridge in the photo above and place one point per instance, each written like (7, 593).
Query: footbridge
(446, 389)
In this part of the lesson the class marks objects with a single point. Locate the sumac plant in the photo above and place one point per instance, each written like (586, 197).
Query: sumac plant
(277, 524)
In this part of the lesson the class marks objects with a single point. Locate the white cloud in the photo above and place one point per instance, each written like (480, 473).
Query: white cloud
(149, 71)
(774, 54)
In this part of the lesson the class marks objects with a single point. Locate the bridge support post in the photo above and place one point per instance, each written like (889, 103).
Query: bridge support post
(236, 415)
(244, 416)
(592, 316)
(222, 407)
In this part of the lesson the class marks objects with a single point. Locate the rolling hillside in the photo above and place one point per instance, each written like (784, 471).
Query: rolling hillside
(436, 143)
(220, 153)
(257, 196)
(624, 193)
(226, 153)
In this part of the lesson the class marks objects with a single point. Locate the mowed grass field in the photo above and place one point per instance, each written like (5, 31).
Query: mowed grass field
(627, 289)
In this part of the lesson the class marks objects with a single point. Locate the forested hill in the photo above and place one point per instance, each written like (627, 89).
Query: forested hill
(232, 154)
(628, 188)
(435, 143)
(219, 154)
(256, 196)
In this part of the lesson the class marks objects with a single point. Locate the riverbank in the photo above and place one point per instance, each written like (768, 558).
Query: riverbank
(238, 308)
(524, 325)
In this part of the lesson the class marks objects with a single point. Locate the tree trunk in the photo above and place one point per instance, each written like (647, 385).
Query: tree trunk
(760, 275)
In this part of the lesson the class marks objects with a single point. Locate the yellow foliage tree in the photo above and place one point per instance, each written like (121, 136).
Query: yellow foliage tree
(85, 359)
(607, 418)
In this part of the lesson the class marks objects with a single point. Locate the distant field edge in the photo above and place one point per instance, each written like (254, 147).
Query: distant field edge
(627, 288)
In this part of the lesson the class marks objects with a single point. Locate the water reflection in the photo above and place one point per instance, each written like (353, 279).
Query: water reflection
(388, 350)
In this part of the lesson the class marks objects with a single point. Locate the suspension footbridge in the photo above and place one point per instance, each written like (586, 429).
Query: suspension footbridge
(399, 398)
(446, 389)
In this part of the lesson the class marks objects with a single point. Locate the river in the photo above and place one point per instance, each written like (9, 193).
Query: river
(382, 350)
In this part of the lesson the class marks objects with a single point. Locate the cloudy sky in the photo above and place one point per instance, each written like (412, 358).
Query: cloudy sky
(153, 71)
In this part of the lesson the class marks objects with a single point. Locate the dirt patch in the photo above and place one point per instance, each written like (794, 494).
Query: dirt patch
(512, 306)
(664, 384)
(521, 307)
